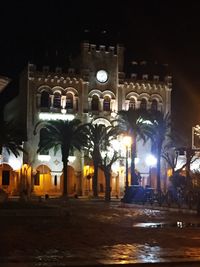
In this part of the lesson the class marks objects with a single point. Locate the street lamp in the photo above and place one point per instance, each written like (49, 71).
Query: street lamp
(150, 161)
(127, 140)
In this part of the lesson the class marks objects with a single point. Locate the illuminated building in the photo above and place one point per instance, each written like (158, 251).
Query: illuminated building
(97, 89)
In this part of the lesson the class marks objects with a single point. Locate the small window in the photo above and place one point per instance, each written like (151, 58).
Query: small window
(36, 178)
(95, 103)
(143, 104)
(132, 103)
(45, 99)
(55, 180)
(5, 177)
(69, 101)
(106, 103)
(154, 105)
(57, 100)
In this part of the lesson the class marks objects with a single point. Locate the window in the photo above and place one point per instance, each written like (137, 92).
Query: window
(95, 103)
(154, 105)
(132, 103)
(106, 103)
(43, 137)
(69, 101)
(143, 104)
(45, 99)
(55, 180)
(5, 177)
(57, 100)
(36, 178)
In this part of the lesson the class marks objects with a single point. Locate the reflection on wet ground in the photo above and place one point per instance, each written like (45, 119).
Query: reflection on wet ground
(99, 233)
(167, 225)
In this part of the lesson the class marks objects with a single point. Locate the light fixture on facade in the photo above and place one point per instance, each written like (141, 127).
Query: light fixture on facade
(44, 158)
(55, 116)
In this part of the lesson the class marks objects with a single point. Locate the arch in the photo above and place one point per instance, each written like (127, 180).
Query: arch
(108, 93)
(71, 90)
(58, 89)
(57, 100)
(132, 94)
(106, 103)
(45, 99)
(43, 169)
(144, 95)
(95, 92)
(44, 88)
(95, 103)
(101, 120)
(157, 97)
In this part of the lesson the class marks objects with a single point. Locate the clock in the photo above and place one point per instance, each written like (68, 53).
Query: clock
(102, 76)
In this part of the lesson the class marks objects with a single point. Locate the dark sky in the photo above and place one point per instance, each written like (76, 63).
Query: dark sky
(165, 31)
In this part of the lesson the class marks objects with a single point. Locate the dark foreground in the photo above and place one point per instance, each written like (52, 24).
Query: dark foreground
(95, 233)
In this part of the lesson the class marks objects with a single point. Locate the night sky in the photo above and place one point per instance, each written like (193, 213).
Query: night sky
(163, 31)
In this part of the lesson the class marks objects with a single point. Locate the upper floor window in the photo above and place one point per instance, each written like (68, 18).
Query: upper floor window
(143, 104)
(106, 103)
(5, 177)
(95, 103)
(69, 101)
(45, 99)
(57, 100)
(132, 103)
(154, 105)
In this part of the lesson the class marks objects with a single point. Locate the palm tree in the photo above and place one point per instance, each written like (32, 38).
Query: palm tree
(64, 135)
(99, 137)
(106, 164)
(135, 123)
(7, 140)
(161, 134)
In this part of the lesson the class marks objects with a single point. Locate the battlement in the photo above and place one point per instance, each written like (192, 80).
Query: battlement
(93, 48)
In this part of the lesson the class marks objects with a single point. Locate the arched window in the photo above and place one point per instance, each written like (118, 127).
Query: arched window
(106, 103)
(43, 136)
(69, 101)
(154, 105)
(57, 100)
(45, 100)
(95, 103)
(143, 104)
(132, 103)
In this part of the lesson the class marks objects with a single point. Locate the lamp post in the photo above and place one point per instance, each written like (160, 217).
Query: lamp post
(127, 142)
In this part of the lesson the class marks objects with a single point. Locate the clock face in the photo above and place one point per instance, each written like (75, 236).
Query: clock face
(102, 76)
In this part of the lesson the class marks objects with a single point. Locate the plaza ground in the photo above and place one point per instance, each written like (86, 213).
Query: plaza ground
(93, 232)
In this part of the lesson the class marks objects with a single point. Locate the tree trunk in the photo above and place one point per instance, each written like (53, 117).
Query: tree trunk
(65, 155)
(65, 178)
(108, 189)
(158, 168)
(95, 180)
(134, 180)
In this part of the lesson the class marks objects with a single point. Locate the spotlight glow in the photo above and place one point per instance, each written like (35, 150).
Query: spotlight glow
(55, 116)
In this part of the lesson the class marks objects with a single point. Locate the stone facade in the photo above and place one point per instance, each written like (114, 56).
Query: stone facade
(78, 92)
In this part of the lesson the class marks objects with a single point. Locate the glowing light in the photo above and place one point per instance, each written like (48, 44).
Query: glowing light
(137, 160)
(44, 158)
(127, 141)
(15, 163)
(151, 160)
(71, 159)
(55, 116)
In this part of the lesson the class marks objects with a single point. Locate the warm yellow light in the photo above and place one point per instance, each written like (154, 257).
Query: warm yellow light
(127, 141)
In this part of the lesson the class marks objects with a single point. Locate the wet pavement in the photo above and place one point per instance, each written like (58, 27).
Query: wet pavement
(100, 233)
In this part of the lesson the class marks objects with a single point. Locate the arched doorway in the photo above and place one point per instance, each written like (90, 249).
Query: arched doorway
(9, 179)
(42, 182)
